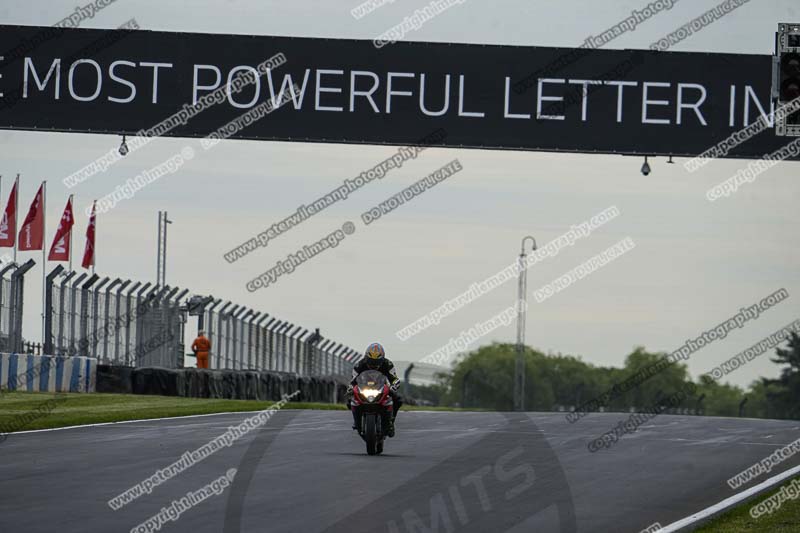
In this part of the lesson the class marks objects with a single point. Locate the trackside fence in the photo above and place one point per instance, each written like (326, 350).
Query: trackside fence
(12, 291)
(131, 323)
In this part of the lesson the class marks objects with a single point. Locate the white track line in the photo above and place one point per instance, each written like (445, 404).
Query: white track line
(100, 424)
(729, 502)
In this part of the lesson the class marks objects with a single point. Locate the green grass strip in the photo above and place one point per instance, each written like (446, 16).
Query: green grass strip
(785, 519)
(78, 409)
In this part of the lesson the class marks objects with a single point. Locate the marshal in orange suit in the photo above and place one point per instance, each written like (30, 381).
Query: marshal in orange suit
(201, 347)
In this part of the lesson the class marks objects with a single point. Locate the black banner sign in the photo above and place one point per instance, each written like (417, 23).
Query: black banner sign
(492, 97)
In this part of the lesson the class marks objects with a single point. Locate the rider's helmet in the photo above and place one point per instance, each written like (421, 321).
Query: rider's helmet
(375, 355)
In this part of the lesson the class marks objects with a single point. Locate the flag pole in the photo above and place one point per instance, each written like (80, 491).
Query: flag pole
(44, 256)
(94, 244)
(16, 210)
(71, 196)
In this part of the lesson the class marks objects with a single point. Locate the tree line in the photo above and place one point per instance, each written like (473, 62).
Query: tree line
(483, 378)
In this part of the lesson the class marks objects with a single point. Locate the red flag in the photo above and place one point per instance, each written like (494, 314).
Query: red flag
(59, 250)
(31, 236)
(8, 224)
(88, 253)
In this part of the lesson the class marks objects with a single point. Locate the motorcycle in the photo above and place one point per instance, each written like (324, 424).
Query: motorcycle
(373, 407)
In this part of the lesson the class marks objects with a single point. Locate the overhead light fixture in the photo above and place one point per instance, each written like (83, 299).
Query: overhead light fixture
(123, 148)
(646, 167)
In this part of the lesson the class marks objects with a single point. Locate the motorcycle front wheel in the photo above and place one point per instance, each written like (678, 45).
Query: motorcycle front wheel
(371, 433)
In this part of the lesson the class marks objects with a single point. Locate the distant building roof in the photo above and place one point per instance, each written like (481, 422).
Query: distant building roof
(421, 374)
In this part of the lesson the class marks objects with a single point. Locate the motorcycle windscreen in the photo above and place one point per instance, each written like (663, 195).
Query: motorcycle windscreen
(371, 379)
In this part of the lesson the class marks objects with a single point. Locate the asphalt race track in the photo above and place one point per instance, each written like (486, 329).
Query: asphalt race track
(306, 471)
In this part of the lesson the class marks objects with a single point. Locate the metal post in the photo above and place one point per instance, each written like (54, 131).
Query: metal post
(91, 347)
(286, 362)
(238, 323)
(222, 315)
(133, 320)
(117, 297)
(158, 253)
(235, 323)
(519, 367)
(83, 325)
(48, 323)
(348, 368)
(297, 352)
(117, 321)
(128, 318)
(340, 354)
(44, 256)
(72, 312)
(270, 327)
(161, 260)
(294, 352)
(2, 276)
(322, 356)
(107, 319)
(164, 250)
(261, 343)
(347, 365)
(249, 321)
(311, 356)
(17, 292)
(213, 336)
(304, 351)
(244, 340)
(344, 361)
(230, 340)
(62, 313)
(16, 215)
(406, 374)
(172, 320)
(335, 358)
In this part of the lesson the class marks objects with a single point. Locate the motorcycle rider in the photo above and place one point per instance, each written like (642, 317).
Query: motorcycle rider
(375, 359)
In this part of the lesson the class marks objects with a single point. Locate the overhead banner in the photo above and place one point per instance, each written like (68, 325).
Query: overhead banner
(348, 91)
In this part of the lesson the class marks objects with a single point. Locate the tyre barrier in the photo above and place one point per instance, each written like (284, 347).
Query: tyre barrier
(220, 384)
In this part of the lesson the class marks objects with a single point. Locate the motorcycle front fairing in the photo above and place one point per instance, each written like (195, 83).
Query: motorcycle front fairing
(372, 388)
(371, 394)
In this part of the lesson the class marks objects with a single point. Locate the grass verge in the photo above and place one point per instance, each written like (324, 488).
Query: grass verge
(41, 412)
(785, 519)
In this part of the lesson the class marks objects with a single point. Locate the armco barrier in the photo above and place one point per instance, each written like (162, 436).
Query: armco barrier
(47, 373)
(222, 384)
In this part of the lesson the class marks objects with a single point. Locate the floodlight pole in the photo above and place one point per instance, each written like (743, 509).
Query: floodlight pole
(161, 259)
(519, 367)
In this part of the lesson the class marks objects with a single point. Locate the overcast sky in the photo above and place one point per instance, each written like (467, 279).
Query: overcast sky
(695, 263)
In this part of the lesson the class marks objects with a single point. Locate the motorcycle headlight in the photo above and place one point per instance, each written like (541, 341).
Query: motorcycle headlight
(369, 394)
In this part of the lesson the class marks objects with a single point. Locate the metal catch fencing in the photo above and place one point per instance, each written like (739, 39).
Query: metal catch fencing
(116, 321)
(121, 322)
(12, 289)
(245, 339)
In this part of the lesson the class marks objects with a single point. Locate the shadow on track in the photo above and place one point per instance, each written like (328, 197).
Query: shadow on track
(506, 478)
